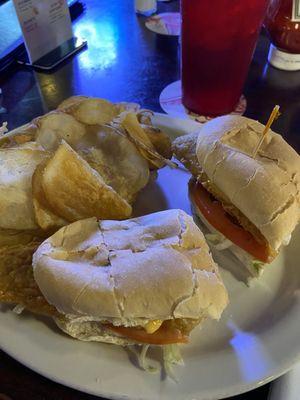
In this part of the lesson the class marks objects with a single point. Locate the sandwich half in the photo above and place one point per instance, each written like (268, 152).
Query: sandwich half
(149, 280)
(249, 205)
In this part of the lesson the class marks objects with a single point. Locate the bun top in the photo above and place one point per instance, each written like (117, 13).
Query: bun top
(264, 189)
(153, 267)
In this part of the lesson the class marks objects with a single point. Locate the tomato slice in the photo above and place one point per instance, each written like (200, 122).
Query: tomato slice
(164, 335)
(215, 214)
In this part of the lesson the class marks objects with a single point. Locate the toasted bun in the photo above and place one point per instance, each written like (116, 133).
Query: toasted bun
(153, 267)
(264, 189)
(87, 330)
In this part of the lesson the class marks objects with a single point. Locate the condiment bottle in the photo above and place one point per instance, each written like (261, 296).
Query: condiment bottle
(283, 26)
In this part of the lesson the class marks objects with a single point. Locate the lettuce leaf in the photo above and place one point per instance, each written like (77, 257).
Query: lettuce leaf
(171, 356)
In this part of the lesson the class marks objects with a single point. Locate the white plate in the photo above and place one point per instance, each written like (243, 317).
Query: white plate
(256, 340)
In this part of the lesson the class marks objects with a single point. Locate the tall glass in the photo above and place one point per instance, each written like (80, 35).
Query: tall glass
(218, 41)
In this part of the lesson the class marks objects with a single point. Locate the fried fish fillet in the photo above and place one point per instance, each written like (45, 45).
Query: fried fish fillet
(17, 284)
(184, 148)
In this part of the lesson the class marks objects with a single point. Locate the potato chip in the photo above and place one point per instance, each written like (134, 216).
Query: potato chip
(74, 190)
(130, 122)
(126, 106)
(45, 218)
(17, 167)
(92, 111)
(144, 116)
(70, 102)
(116, 159)
(3, 128)
(160, 140)
(138, 136)
(23, 134)
(55, 126)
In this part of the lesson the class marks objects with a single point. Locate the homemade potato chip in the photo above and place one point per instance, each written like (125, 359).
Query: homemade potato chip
(130, 122)
(139, 137)
(70, 102)
(17, 167)
(23, 134)
(74, 190)
(3, 128)
(45, 218)
(144, 116)
(160, 140)
(55, 126)
(126, 106)
(92, 111)
(116, 159)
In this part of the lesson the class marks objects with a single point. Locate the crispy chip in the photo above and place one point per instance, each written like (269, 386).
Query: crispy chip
(23, 134)
(74, 190)
(17, 167)
(136, 133)
(92, 111)
(71, 102)
(126, 106)
(160, 140)
(17, 284)
(116, 159)
(45, 218)
(130, 122)
(3, 128)
(55, 126)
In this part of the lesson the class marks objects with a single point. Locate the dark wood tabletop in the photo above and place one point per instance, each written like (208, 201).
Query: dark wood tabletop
(126, 62)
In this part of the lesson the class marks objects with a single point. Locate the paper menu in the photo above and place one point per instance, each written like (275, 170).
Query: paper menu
(45, 24)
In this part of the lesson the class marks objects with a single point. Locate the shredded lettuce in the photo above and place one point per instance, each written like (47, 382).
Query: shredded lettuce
(18, 309)
(171, 356)
(142, 358)
(258, 266)
(144, 362)
(219, 241)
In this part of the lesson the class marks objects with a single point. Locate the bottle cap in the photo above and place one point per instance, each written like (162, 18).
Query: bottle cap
(283, 60)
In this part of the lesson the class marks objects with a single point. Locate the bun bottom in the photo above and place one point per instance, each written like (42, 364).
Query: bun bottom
(87, 330)
(254, 267)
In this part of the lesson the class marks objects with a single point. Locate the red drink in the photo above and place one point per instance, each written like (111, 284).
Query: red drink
(218, 40)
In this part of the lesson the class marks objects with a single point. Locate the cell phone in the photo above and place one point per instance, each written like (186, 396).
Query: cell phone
(55, 57)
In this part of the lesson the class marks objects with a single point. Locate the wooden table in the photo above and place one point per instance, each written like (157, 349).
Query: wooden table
(126, 62)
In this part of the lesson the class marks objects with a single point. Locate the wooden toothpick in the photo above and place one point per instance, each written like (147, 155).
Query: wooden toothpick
(274, 115)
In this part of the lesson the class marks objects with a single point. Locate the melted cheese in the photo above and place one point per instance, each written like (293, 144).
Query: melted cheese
(153, 326)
